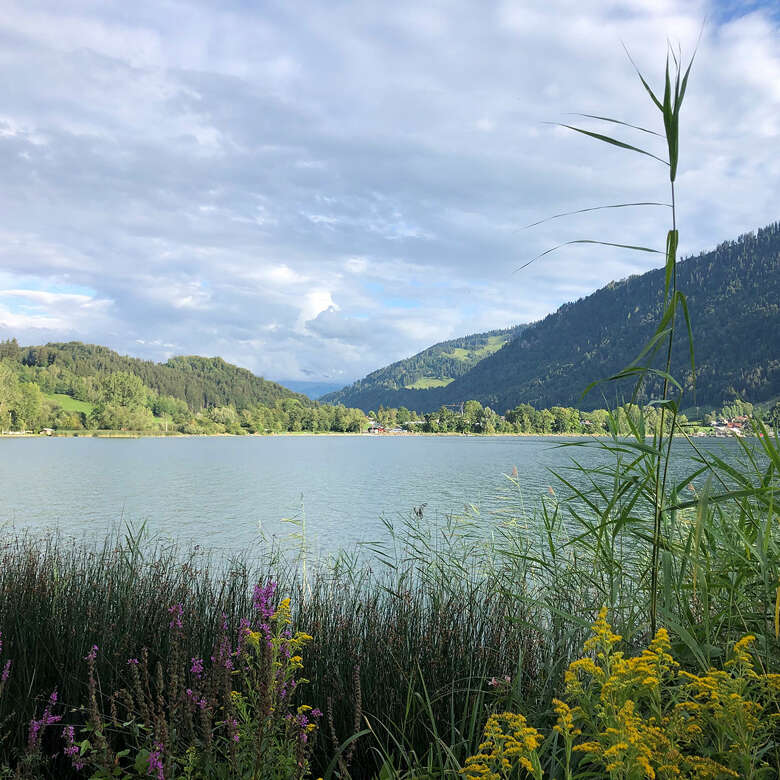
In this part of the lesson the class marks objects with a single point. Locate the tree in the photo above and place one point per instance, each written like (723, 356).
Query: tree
(122, 389)
(28, 407)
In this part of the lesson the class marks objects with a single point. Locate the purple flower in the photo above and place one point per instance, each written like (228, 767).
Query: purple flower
(261, 599)
(156, 762)
(316, 713)
(195, 700)
(176, 612)
(47, 719)
(132, 662)
(6, 671)
(71, 748)
(92, 654)
(243, 632)
(197, 667)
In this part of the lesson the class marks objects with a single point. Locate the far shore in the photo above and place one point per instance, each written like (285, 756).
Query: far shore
(85, 434)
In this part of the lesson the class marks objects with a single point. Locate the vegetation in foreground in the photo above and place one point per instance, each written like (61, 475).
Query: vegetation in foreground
(418, 650)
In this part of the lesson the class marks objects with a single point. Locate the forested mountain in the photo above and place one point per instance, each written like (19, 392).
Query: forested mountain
(733, 294)
(201, 382)
(434, 367)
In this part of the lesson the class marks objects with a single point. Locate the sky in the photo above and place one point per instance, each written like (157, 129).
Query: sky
(313, 190)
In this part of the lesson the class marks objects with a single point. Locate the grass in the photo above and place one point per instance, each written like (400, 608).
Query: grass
(68, 403)
(494, 343)
(426, 382)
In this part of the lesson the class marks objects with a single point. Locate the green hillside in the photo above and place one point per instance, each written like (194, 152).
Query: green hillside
(733, 293)
(435, 367)
(68, 403)
(83, 388)
(71, 368)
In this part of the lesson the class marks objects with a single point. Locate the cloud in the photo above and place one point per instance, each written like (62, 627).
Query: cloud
(313, 191)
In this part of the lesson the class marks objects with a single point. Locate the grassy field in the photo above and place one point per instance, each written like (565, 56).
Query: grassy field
(428, 382)
(462, 355)
(68, 403)
(493, 345)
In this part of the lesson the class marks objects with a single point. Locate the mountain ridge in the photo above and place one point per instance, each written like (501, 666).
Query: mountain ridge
(435, 366)
(200, 382)
(732, 290)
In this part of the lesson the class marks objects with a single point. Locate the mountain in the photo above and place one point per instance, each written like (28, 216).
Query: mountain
(199, 381)
(732, 291)
(311, 388)
(434, 367)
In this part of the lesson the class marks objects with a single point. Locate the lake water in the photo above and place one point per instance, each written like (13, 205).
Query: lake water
(220, 492)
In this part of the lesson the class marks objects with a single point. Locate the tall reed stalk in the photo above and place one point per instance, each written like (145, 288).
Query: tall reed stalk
(644, 367)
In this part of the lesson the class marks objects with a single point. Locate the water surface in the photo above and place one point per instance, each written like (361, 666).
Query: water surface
(221, 492)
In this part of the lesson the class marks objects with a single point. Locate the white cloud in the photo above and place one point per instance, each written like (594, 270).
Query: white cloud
(317, 190)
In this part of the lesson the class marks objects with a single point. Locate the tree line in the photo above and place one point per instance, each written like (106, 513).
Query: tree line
(119, 400)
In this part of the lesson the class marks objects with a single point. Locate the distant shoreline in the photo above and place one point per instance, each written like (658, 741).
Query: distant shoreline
(177, 435)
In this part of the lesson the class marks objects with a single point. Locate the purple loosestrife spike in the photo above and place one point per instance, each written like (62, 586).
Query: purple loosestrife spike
(6, 671)
(92, 654)
(72, 750)
(156, 762)
(132, 662)
(262, 599)
(176, 612)
(47, 719)
(197, 667)
(32, 734)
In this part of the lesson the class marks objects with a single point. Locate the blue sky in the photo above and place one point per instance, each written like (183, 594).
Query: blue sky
(313, 190)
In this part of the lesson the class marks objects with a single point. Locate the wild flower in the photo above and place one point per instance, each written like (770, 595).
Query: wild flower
(643, 717)
(509, 742)
(198, 719)
(37, 726)
(176, 612)
(156, 762)
(71, 749)
(261, 599)
(196, 668)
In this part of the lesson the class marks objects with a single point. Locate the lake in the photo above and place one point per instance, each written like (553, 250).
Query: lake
(221, 492)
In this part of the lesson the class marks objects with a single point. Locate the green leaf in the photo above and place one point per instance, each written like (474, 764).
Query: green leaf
(588, 241)
(618, 122)
(683, 301)
(595, 208)
(672, 238)
(614, 141)
(142, 761)
(642, 79)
